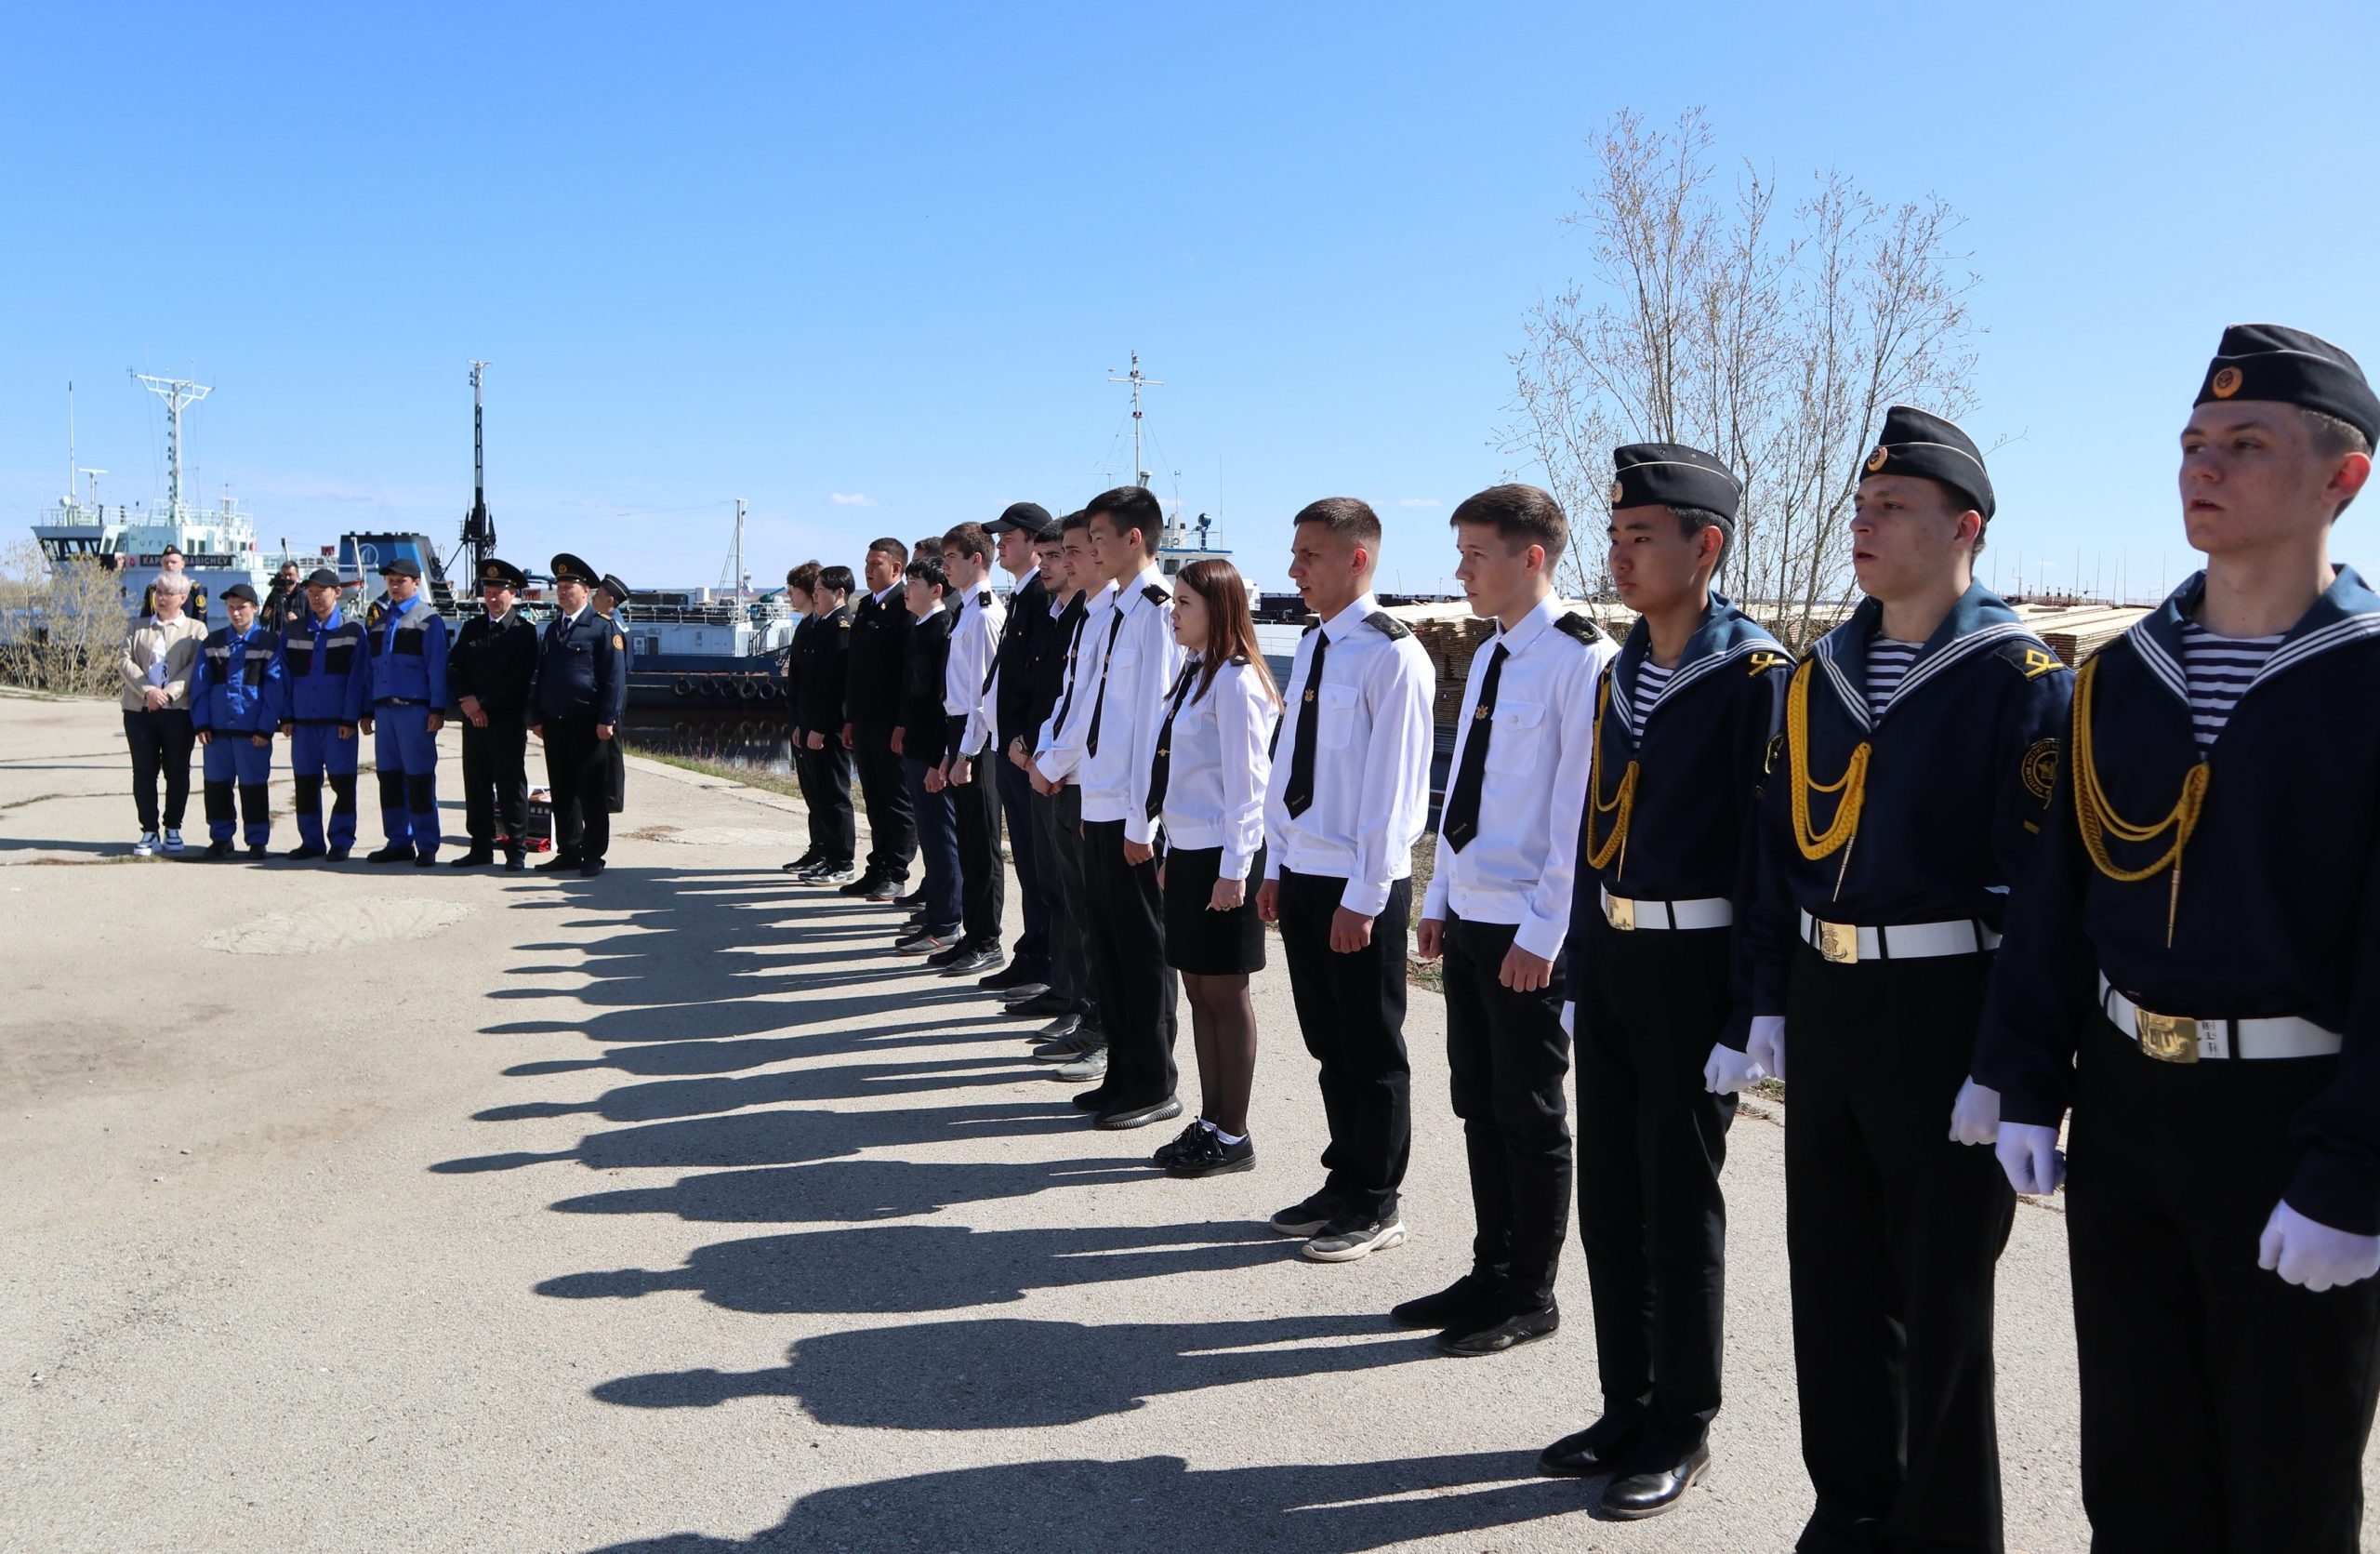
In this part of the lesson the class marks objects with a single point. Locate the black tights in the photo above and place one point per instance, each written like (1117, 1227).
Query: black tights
(1222, 1029)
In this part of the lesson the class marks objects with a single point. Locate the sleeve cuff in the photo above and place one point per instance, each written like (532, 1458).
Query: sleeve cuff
(2330, 1191)
(1139, 830)
(1434, 900)
(1364, 899)
(1542, 938)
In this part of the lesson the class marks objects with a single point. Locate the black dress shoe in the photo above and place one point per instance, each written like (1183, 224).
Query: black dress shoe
(515, 862)
(591, 869)
(1139, 1116)
(390, 853)
(1041, 1007)
(1500, 1330)
(1600, 1448)
(558, 863)
(913, 900)
(260, 853)
(478, 857)
(1016, 974)
(338, 855)
(425, 860)
(1218, 1159)
(219, 849)
(1062, 1028)
(302, 851)
(981, 957)
(1634, 1497)
(1461, 1304)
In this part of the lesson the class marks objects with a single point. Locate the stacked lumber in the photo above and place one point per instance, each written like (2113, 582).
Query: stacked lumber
(2075, 632)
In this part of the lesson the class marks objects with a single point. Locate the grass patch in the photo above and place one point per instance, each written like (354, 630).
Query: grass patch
(727, 771)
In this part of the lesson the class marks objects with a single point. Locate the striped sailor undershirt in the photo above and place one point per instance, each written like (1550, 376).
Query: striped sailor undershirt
(2218, 669)
(1888, 665)
(1650, 678)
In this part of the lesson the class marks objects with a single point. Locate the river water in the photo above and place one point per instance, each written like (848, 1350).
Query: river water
(755, 739)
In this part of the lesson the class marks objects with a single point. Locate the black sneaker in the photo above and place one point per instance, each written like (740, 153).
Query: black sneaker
(1015, 978)
(558, 863)
(1502, 1328)
(478, 857)
(1086, 1064)
(1094, 1100)
(887, 892)
(1191, 1140)
(337, 855)
(1139, 1116)
(425, 860)
(591, 869)
(911, 901)
(830, 874)
(1461, 1304)
(1065, 1028)
(1063, 1049)
(390, 853)
(1219, 1159)
(1351, 1237)
(259, 852)
(807, 860)
(982, 958)
(220, 849)
(860, 886)
(1040, 1006)
(1308, 1217)
(515, 862)
(924, 941)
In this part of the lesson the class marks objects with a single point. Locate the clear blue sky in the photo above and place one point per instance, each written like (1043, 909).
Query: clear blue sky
(890, 252)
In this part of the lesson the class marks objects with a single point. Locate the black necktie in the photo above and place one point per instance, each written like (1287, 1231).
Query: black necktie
(1066, 705)
(1099, 703)
(1297, 797)
(1161, 766)
(1461, 820)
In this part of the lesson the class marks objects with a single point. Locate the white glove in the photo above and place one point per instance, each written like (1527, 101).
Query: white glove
(1975, 1116)
(2315, 1256)
(1766, 1045)
(2029, 1153)
(1729, 1071)
(1570, 1021)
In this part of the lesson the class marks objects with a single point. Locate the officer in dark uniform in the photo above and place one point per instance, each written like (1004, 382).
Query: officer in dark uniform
(2193, 965)
(406, 637)
(825, 648)
(326, 676)
(581, 692)
(1028, 634)
(1902, 800)
(489, 672)
(872, 697)
(173, 561)
(611, 603)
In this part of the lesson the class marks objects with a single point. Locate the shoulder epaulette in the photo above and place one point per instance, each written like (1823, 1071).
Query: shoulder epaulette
(1240, 659)
(845, 623)
(984, 597)
(1388, 626)
(1154, 594)
(2029, 659)
(1577, 627)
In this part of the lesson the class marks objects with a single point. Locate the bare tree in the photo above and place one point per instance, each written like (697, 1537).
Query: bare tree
(1779, 352)
(61, 627)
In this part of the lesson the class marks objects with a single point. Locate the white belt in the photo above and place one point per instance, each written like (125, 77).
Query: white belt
(1844, 945)
(2180, 1038)
(1709, 912)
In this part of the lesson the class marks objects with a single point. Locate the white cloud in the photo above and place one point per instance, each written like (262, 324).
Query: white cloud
(851, 498)
(1419, 501)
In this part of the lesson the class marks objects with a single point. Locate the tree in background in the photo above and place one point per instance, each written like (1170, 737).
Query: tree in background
(1776, 350)
(61, 628)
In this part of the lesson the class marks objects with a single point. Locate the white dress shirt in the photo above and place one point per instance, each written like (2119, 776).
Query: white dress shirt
(1059, 750)
(1518, 868)
(974, 646)
(1139, 667)
(1214, 783)
(1371, 764)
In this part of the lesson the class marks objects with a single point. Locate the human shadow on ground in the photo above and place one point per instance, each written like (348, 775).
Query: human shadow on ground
(701, 1097)
(851, 1191)
(779, 1137)
(698, 1055)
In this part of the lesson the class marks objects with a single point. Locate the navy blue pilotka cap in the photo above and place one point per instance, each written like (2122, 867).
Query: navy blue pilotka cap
(1671, 474)
(2290, 366)
(1915, 442)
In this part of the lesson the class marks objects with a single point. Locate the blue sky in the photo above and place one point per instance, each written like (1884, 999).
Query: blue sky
(869, 267)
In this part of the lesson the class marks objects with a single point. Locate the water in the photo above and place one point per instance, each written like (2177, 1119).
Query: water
(739, 738)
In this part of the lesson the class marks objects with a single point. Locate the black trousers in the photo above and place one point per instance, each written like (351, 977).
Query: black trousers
(1350, 1010)
(496, 782)
(982, 884)
(1136, 989)
(1508, 1057)
(1057, 847)
(1651, 1140)
(826, 788)
(1032, 950)
(579, 769)
(884, 788)
(1892, 1233)
(161, 744)
(2223, 1412)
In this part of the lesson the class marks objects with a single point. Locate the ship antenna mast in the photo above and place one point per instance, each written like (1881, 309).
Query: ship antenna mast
(70, 461)
(176, 392)
(1140, 476)
(478, 524)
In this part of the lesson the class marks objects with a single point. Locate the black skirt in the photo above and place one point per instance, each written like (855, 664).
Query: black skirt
(1203, 942)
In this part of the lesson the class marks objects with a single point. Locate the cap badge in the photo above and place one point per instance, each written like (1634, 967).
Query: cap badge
(1876, 460)
(2227, 383)
(1619, 493)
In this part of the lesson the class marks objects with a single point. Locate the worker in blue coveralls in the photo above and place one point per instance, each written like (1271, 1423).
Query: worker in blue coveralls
(324, 674)
(407, 639)
(232, 705)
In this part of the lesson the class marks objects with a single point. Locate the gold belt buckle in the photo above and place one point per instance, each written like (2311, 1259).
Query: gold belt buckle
(1619, 912)
(1839, 942)
(2167, 1038)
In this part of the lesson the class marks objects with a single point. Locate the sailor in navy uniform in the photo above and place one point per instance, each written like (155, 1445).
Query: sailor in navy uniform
(875, 677)
(1027, 634)
(489, 672)
(1904, 797)
(232, 698)
(581, 692)
(1661, 978)
(406, 638)
(2193, 966)
(611, 602)
(824, 648)
(326, 674)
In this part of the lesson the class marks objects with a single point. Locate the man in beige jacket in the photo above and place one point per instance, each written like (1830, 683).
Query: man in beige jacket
(160, 656)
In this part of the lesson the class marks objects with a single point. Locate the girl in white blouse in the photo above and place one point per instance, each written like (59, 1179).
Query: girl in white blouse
(1207, 785)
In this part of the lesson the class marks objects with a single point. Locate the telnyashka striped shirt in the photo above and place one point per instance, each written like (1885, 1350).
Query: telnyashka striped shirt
(1650, 678)
(1888, 663)
(2218, 669)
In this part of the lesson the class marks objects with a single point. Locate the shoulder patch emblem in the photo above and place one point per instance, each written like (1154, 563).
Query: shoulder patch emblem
(2038, 768)
(1764, 660)
(1388, 626)
(1776, 753)
(1154, 594)
(1578, 628)
(619, 642)
(2031, 660)
(845, 623)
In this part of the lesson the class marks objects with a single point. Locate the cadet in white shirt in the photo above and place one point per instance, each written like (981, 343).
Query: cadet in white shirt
(1140, 659)
(1499, 910)
(1214, 755)
(1348, 796)
(974, 792)
(1072, 1003)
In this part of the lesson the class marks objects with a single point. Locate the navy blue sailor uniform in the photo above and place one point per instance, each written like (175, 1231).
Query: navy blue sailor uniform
(582, 685)
(1891, 836)
(822, 645)
(494, 663)
(407, 644)
(2193, 966)
(1660, 972)
(326, 674)
(235, 696)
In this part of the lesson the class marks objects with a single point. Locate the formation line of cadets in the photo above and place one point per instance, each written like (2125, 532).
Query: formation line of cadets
(1979, 890)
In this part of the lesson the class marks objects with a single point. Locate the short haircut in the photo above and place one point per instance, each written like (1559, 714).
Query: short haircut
(836, 579)
(969, 540)
(1072, 521)
(1692, 520)
(1351, 518)
(1130, 507)
(804, 576)
(927, 545)
(1524, 516)
(894, 547)
(2333, 438)
(170, 582)
(928, 570)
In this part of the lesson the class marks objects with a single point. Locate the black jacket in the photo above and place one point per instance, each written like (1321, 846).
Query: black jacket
(824, 649)
(582, 670)
(925, 735)
(1025, 638)
(1048, 674)
(874, 683)
(498, 664)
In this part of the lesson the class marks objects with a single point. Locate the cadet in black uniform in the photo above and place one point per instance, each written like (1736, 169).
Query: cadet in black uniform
(1903, 797)
(872, 691)
(2193, 965)
(1028, 634)
(1660, 979)
(798, 581)
(581, 691)
(611, 602)
(489, 672)
(826, 661)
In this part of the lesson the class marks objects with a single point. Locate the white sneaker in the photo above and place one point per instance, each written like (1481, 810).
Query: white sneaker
(173, 842)
(146, 846)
